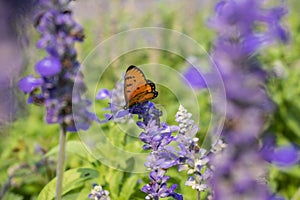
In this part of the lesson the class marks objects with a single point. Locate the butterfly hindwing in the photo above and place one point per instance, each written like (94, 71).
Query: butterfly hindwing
(136, 88)
(143, 93)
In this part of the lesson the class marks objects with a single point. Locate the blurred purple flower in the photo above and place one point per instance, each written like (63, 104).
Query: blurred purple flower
(103, 94)
(284, 156)
(237, 17)
(59, 69)
(238, 169)
(193, 76)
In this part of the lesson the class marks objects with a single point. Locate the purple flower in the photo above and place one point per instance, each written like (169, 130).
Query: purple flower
(157, 188)
(240, 166)
(156, 136)
(103, 94)
(116, 105)
(192, 158)
(97, 193)
(148, 112)
(48, 66)
(237, 17)
(59, 69)
(284, 156)
(194, 77)
(29, 83)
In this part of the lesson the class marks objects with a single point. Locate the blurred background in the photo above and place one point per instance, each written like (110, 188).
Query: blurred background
(26, 138)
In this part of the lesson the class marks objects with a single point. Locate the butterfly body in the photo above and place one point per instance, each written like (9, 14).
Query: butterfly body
(137, 89)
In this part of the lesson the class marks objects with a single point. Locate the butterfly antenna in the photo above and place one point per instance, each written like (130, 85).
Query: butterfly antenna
(116, 105)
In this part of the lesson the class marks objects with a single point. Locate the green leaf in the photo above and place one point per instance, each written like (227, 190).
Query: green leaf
(73, 148)
(128, 187)
(12, 196)
(83, 194)
(72, 196)
(73, 179)
(293, 172)
(115, 180)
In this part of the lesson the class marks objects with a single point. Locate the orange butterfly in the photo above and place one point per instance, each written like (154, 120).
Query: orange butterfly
(137, 89)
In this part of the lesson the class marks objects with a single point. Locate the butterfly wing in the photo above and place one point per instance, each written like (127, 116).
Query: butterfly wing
(134, 78)
(136, 88)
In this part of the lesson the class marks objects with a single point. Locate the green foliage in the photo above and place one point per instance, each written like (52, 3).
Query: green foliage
(74, 179)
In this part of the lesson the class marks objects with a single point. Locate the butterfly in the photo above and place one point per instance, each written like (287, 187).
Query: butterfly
(137, 89)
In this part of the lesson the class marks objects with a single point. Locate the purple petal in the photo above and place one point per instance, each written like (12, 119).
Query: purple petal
(29, 83)
(48, 66)
(141, 124)
(174, 128)
(71, 129)
(84, 125)
(94, 117)
(177, 196)
(122, 113)
(268, 147)
(286, 156)
(274, 197)
(108, 117)
(103, 94)
(281, 33)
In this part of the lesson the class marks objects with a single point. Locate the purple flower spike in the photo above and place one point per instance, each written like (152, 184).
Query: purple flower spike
(48, 66)
(59, 69)
(192, 158)
(158, 189)
(156, 137)
(29, 83)
(239, 167)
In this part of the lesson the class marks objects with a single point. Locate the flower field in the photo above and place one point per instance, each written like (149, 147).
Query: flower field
(129, 100)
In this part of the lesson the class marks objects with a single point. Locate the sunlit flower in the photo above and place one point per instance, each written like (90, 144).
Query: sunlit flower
(192, 158)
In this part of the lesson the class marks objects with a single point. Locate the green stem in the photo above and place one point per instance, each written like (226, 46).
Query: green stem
(198, 195)
(61, 162)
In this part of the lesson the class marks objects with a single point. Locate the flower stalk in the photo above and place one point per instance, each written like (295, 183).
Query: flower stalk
(61, 162)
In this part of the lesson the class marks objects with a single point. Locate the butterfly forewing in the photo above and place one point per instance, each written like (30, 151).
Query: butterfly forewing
(134, 78)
